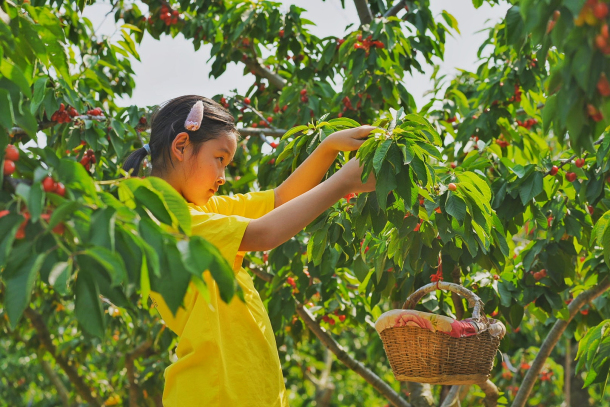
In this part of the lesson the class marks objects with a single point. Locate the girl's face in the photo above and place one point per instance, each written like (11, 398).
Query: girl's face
(198, 176)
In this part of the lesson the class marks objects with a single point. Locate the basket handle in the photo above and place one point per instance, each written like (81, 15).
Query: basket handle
(473, 299)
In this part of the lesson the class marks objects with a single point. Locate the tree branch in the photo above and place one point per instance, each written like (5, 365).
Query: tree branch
(350, 362)
(341, 354)
(364, 11)
(552, 338)
(45, 339)
(395, 9)
(134, 389)
(491, 393)
(62, 392)
(452, 398)
(17, 131)
(256, 65)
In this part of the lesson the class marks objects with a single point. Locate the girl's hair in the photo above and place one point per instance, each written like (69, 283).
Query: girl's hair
(168, 120)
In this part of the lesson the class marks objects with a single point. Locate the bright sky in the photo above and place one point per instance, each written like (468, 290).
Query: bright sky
(170, 67)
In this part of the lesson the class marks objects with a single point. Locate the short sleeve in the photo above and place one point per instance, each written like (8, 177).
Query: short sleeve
(252, 205)
(223, 231)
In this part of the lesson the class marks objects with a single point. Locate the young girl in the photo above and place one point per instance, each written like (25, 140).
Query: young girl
(227, 355)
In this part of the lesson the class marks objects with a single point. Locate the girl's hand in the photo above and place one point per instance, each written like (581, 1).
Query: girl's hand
(347, 140)
(351, 174)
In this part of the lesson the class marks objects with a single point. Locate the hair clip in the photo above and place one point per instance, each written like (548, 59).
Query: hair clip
(193, 120)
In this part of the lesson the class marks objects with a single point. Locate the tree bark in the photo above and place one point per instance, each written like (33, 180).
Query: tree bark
(395, 9)
(491, 393)
(45, 339)
(364, 11)
(551, 340)
(62, 392)
(134, 389)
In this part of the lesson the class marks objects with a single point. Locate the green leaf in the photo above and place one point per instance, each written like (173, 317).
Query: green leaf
(39, 92)
(111, 261)
(153, 202)
(35, 201)
(202, 256)
(8, 225)
(19, 282)
(15, 74)
(175, 203)
(294, 130)
(87, 305)
(380, 154)
(531, 186)
(59, 276)
(455, 206)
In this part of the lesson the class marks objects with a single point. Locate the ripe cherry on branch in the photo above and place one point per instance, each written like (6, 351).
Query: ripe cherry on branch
(571, 176)
(452, 187)
(11, 153)
(48, 184)
(554, 170)
(9, 167)
(579, 162)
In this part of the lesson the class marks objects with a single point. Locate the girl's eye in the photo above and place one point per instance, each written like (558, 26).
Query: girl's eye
(221, 158)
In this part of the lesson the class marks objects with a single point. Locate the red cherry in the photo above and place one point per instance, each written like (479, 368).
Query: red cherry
(571, 176)
(62, 107)
(303, 92)
(359, 37)
(11, 153)
(60, 189)
(452, 187)
(281, 33)
(417, 227)
(538, 276)
(284, 108)
(549, 220)
(255, 125)
(9, 167)
(591, 209)
(272, 161)
(496, 277)
(554, 170)
(600, 10)
(143, 120)
(247, 101)
(603, 86)
(273, 145)
(270, 119)
(304, 99)
(48, 184)
(579, 162)
(453, 165)
(73, 112)
(342, 318)
(262, 123)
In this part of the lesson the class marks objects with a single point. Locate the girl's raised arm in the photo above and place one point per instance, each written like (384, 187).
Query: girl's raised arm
(285, 221)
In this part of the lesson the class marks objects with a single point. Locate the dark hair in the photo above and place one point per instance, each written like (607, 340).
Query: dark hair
(168, 120)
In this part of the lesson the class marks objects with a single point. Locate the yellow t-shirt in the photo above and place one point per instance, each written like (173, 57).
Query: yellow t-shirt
(227, 354)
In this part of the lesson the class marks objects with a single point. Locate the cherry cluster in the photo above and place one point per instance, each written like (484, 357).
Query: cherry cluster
(88, 159)
(95, 112)
(330, 320)
(169, 17)
(50, 185)
(528, 124)
(64, 115)
(11, 154)
(367, 43)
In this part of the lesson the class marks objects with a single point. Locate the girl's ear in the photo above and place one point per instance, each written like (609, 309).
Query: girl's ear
(179, 144)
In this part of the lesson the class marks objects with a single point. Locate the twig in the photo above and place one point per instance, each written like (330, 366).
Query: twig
(552, 338)
(134, 389)
(491, 393)
(364, 11)
(395, 9)
(420, 394)
(45, 339)
(251, 131)
(452, 399)
(457, 300)
(62, 392)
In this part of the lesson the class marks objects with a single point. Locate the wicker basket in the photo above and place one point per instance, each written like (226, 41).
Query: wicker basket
(420, 355)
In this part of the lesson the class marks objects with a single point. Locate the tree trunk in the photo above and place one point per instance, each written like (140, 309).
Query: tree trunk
(420, 394)
(364, 11)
